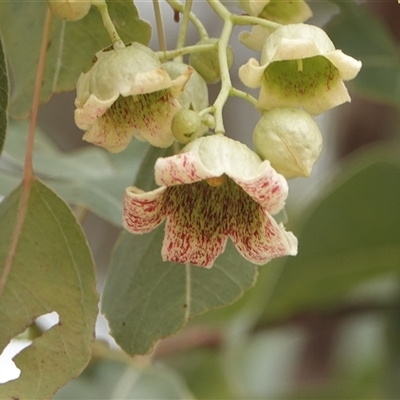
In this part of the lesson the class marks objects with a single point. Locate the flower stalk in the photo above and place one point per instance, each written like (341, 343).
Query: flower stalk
(108, 24)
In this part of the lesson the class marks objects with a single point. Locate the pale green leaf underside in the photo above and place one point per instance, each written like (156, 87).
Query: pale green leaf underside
(90, 177)
(71, 49)
(52, 270)
(146, 299)
(107, 379)
(3, 97)
(346, 238)
(364, 37)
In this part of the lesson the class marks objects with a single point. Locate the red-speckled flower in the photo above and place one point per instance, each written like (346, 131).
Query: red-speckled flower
(127, 93)
(214, 189)
(300, 68)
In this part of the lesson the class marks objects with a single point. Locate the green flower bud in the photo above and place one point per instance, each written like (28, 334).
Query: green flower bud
(184, 126)
(290, 139)
(206, 63)
(69, 10)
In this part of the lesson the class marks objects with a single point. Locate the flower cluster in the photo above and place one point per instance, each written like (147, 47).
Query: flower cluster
(300, 73)
(216, 188)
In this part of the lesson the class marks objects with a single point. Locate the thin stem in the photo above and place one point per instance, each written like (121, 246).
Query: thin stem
(108, 24)
(28, 175)
(219, 9)
(243, 95)
(226, 84)
(248, 20)
(166, 55)
(160, 26)
(184, 27)
(177, 6)
(205, 111)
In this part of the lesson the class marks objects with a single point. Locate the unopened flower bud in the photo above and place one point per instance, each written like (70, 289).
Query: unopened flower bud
(69, 10)
(206, 63)
(184, 126)
(290, 139)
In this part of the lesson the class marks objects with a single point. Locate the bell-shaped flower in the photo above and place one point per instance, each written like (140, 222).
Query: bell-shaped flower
(300, 68)
(127, 93)
(214, 189)
(280, 11)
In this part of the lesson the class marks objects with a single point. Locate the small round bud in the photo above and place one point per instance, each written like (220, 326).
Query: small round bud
(290, 139)
(69, 10)
(206, 63)
(184, 126)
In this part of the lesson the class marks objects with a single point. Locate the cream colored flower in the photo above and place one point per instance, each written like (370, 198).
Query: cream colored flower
(280, 11)
(300, 67)
(214, 189)
(127, 93)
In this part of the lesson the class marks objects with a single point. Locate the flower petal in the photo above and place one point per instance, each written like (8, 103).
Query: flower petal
(151, 116)
(348, 67)
(196, 217)
(184, 244)
(259, 243)
(251, 73)
(180, 169)
(255, 39)
(324, 98)
(93, 108)
(267, 188)
(143, 211)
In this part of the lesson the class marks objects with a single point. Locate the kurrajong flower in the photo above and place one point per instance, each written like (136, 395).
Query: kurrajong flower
(214, 189)
(300, 68)
(127, 93)
(280, 11)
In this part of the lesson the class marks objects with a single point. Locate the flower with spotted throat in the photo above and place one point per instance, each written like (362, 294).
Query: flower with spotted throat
(300, 68)
(214, 189)
(280, 11)
(127, 93)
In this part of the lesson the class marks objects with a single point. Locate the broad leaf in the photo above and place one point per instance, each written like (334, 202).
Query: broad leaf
(111, 378)
(52, 271)
(89, 177)
(71, 49)
(349, 236)
(146, 299)
(3, 97)
(364, 37)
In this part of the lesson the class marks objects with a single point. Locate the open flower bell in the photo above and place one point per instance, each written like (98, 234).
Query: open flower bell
(214, 189)
(300, 68)
(127, 93)
(280, 11)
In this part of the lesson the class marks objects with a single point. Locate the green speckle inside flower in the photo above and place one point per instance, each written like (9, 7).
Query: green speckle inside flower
(205, 211)
(316, 75)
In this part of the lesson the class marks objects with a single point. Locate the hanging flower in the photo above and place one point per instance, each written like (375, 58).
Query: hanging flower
(300, 68)
(214, 189)
(280, 11)
(127, 93)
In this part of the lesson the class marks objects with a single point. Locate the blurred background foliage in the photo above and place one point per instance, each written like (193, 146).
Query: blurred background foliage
(322, 325)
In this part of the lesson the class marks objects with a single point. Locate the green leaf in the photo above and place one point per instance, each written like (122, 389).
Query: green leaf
(71, 49)
(52, 271)
(364, 37)
(113, 379)
(144, 180)
(146, 299)
(349, 236)
(3, 97)
(90, 177)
